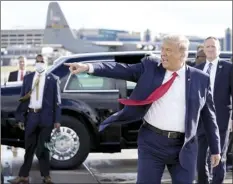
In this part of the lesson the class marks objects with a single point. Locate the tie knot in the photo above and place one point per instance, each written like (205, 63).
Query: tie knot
(210, 64)
(174, 74)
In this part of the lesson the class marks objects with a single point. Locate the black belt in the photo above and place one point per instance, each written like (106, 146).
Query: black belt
(169, 134)
(34, 110)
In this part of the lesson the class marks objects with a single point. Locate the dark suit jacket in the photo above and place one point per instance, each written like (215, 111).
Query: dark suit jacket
(222, 95)
(13, 76)
(149, 75)
(51, 111)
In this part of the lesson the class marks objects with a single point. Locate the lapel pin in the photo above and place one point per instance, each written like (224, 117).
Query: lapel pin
(48, 77)
(220, 66)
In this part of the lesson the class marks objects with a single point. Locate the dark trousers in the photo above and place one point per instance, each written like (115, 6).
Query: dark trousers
(203, 166)
(229, 150)
(154, 153)
(35, 138)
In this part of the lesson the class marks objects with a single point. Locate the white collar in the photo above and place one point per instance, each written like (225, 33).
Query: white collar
(41, 74)
(180, 72)
(214, 62)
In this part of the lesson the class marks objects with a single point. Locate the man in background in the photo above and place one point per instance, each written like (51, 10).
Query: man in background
(19, 74)
(221, 84)
(40, 112)
(200, 47)
(200, 57)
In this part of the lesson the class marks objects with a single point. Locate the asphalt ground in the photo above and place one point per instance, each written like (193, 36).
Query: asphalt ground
(98, 168)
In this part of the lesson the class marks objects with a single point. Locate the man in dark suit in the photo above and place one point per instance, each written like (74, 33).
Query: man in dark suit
(40, 111)
(18, 75)
(221, 83)
(163, 87)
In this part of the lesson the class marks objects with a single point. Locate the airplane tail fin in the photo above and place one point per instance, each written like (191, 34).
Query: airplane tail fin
(57, 27)
(57, 31)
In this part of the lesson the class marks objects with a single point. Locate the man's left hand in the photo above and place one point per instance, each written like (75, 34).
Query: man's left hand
(57, 126)
(215, 159)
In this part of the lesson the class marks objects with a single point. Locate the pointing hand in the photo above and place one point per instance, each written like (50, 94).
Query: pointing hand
(77, 67)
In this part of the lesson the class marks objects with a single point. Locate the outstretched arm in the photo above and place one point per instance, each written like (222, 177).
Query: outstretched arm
(129, 72)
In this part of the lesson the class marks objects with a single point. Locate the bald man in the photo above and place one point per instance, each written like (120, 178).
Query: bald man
(19, 74)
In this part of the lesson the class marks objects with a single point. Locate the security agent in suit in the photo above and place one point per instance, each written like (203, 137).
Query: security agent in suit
(40, 111)
(163, 140)
(18, 75)
(220, 73)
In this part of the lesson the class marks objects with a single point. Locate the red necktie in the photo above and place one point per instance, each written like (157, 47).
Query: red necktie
(21, 77)
(158, 93)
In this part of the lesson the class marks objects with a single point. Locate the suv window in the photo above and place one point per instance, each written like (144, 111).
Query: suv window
(130, 85)
(85, 81)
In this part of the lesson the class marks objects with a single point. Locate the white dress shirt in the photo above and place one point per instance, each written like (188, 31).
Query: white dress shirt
(168, 112)
(212, 72)
(34, 103)
(19, 74)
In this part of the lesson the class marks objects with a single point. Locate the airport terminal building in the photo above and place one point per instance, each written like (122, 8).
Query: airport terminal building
(35, 36)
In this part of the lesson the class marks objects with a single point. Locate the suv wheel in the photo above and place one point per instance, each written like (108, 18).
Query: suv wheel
(72, 150)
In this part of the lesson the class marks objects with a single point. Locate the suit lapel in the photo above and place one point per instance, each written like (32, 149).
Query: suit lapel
(30, 81)
(159, 78)
(188, 81)
(201, 66)
(217, 76)
(16, 75)
(47, 77)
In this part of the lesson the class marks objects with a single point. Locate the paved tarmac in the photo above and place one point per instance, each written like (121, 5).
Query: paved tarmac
(97, 169)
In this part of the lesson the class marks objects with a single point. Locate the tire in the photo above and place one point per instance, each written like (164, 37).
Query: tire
(84, 147)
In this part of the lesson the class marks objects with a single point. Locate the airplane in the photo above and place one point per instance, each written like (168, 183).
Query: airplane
(57, 31)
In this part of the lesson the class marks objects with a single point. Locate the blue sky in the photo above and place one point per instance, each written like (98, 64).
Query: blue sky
(202, 18)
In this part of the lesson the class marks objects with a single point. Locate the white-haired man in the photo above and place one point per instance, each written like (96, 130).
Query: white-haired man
(169, 97)
(19, 74)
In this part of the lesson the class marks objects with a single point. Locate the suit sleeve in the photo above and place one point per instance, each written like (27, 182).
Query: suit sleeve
(57, 101)
(208, 115)
(21, 110)
(23, 91)
(9, 77)
(129, 72)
